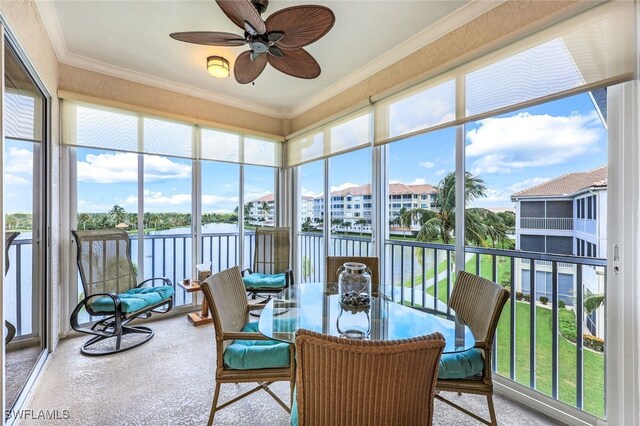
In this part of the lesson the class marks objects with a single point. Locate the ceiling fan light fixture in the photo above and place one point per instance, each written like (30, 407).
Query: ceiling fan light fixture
(218, 66)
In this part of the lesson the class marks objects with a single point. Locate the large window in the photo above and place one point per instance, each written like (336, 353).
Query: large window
(310, 203)
(350, 204)
(24, 296)
(259, 205)
(538, 175)
(420, 251)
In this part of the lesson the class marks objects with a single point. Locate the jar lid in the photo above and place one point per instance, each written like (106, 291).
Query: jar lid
(355, 267)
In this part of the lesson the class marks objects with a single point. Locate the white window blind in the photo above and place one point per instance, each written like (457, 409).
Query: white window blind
(345, 134)
(586, 51)
(96, 126)
(21, 115)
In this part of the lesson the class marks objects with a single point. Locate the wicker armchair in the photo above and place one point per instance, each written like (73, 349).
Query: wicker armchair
(365, 382)
(478, 302)
(112, 293)
(8, 240)
(227, 298)
(333, 263)
(270, 272)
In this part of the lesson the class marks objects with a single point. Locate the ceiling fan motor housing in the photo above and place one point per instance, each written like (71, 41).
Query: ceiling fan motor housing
(261, 5)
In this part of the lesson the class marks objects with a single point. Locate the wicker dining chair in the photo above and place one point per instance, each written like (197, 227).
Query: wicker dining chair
(271, 271)
(243, 355)
(333, 263)
(478, 302)
(8, 240)
(365, 382)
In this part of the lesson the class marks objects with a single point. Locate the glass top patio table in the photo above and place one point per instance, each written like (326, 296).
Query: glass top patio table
(315, 306)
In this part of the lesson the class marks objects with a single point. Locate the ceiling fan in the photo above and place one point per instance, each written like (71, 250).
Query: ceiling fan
(278, 40)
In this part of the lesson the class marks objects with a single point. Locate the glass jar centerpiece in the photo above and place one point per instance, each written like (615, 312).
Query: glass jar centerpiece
(354, 285)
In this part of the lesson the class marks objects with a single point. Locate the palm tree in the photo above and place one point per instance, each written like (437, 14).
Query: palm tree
(404, 219)
(338, 223)
(117, 215)
(480, 224)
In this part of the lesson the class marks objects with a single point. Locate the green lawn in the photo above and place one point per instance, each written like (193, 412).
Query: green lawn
(593, 362)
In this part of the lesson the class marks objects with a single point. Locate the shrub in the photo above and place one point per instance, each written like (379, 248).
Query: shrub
(562, 304)
(593, 342)
(519, 295)
(567, 325)
(526, 297)
(544, 300)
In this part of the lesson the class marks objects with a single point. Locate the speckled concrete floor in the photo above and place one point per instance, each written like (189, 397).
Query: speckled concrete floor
(169, 381)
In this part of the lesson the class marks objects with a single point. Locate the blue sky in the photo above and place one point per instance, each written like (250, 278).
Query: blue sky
(509, 152)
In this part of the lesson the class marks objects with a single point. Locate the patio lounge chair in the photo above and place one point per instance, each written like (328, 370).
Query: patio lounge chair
(111, 291)
(478, 302)
(365, 382)
(270, 273)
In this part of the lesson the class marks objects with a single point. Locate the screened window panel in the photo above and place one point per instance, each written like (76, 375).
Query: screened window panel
(168, 138)
(220, 146)
(20, 116)
(420, 109)
(102, 128)
(589, 50)
(305, 149)
(262, 152)
(351, 134)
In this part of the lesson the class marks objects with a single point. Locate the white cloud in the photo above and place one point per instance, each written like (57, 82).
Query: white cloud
(427, 164)
(440, 172)
(501, 145)
(527, 183)
(152, 198)
(85, 206)
(308, 193)
(13, 180)
(19, 160)
(343, 186)
(122, 167)
(494, 198)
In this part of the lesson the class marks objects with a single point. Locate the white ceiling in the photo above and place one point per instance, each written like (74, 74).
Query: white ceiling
(130, 39)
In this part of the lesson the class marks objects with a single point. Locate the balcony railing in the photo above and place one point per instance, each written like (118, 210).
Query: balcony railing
(552, 223)
(537, 344)
(18, 288)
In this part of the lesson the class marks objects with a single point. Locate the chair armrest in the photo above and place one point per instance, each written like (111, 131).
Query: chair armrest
(481, 344)
(117, 315)
(241, 335)
(247, 270)
(255, 307)
(167, 281)
(288, 277)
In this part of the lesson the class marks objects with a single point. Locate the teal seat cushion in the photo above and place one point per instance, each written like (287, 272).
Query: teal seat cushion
(264, 280)
(460, 365)
(255, 354)
(134, 300)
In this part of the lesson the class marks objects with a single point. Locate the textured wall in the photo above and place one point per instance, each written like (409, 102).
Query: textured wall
(103, 86)
(25, 23)
(475, 37)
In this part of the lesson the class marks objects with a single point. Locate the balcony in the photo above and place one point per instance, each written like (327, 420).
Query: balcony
(547, 223)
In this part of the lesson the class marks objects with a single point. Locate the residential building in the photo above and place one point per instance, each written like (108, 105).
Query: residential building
(566, 215)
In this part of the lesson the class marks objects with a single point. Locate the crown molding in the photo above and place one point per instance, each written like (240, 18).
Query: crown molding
(450, 22)
(161, 83)
(463, 15)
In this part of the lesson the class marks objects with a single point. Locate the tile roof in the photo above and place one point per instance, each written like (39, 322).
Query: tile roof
(267, 198)
(568, 184)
